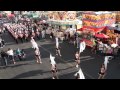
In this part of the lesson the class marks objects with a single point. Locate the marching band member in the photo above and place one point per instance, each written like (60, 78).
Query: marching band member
(58, 47)
(53, 67)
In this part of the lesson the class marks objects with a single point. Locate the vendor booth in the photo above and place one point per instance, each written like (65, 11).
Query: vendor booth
(64, 21)
(95, 22)
(117, 16)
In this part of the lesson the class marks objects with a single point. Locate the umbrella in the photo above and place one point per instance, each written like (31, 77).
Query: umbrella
(101, 36)
(11, 15)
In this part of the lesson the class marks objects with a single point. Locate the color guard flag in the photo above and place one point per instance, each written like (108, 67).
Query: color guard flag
(82, 46)
(57, 43)
(81, 75)
(52, 59)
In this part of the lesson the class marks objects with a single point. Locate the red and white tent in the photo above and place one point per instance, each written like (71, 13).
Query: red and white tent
(11, 15)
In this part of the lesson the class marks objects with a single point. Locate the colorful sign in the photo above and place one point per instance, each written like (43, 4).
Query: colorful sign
(98, 19)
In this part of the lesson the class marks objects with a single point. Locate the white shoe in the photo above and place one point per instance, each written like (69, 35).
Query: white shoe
(40, 62)
(76, 66)
(53, 78)
(75, 74)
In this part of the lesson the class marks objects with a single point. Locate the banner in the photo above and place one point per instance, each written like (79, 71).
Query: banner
(98, 20)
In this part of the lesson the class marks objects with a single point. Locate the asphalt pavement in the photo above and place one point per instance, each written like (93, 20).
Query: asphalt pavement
(29, 69)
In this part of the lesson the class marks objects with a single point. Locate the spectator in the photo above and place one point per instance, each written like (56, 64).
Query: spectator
(2, 43)
(43, 33)
(51, 35)
(100, 47)
(0, 31)
(26, 35)
(11, 55)
(23, 54)
(19, 54)
(4, 57)
(38, 34)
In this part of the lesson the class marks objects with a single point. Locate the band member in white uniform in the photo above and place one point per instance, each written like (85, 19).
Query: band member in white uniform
(53, 67)
(37, 55)
(58, 47)
(34, 44)
(77, 59)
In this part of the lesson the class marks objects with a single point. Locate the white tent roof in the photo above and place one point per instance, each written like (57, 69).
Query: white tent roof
(106, 12)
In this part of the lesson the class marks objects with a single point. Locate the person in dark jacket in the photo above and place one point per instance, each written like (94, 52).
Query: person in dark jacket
(118, 52)
(4, 57)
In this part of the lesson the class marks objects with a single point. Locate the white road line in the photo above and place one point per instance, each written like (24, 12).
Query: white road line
(85, 57)
(88, 59)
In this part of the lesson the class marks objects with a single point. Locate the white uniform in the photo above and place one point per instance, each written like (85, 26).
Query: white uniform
(82, 46)
(43, 33)
(52, 59)
(57, 42)
(34, 44)
(106, 62)
(10, 52)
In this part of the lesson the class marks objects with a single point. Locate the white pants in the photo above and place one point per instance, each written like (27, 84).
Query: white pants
(43, 35)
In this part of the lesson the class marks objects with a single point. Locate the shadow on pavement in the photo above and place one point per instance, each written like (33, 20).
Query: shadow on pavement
(30, 74)
(35, 73)
(13, 66)
(18, 65)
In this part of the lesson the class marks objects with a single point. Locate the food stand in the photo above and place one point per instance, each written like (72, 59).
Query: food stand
(64, 20)
(95, 22)
(117, 16)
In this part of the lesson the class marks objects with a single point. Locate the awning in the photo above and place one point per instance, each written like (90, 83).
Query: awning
(101, 35)
(63, 22)
(96, 30)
